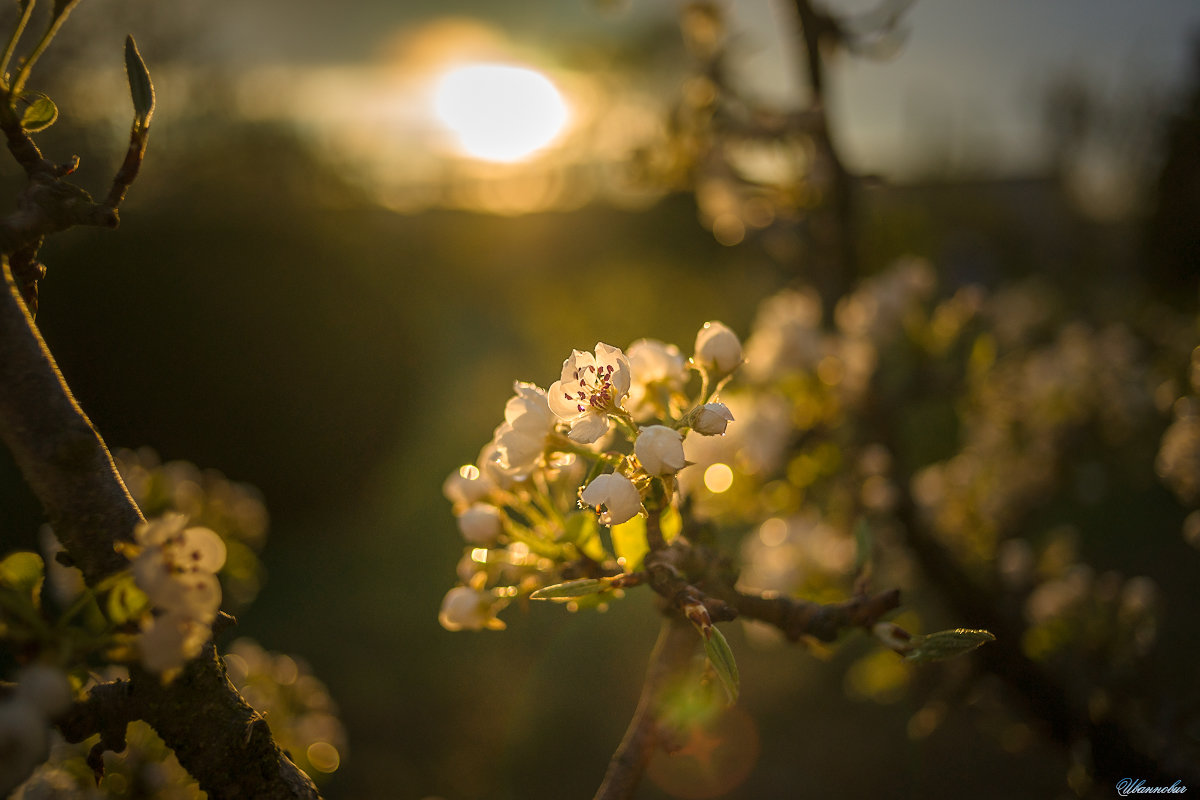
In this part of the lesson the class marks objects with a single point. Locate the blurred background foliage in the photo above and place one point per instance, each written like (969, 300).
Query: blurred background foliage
(278, 308)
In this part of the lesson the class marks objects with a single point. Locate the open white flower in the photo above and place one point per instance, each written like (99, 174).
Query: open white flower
(617, 495)
(718, 348)
(176, 566)
(591, 388)
(658, 371)
(660, 450)
(711, 419)
(521, 439)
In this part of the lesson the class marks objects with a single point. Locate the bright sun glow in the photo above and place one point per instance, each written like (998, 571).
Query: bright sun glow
(499, 112)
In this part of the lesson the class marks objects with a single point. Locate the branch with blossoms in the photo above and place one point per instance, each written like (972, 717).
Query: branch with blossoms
(603, 448)
(147, 594)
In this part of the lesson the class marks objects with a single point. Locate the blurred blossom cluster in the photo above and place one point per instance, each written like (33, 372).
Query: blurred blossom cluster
(41, 693)
(968, 414)
(302, 716)
(235, 511)
(1023, 411)
(1178, 460)
(175, 566)
(602, 444)
(194, 556)
(146, 768)
(296, 704)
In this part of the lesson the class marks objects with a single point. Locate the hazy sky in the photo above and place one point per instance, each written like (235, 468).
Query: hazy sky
(968, 79)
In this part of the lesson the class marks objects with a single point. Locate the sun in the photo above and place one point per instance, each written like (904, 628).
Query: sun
(499, 112)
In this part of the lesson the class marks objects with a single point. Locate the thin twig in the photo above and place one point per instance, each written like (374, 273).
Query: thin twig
(798, 618)
(671, 655)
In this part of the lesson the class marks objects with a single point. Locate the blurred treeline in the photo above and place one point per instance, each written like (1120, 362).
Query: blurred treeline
(258, 314)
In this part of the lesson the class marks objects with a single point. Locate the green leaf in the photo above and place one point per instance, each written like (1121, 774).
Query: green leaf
(126, 601)
(946, 644)
(862, 544)
(140, 87)
(23, 571)
(629, 542)
(40, 111)
(572, 589)
(721, 658)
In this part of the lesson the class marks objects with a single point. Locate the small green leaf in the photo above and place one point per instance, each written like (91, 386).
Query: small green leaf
(126, 602)
(629, 542)
(946, 644)
(721, 658)
(40, 111)
(572, 589)
(22, 571)
(862, 544)
(140, 87)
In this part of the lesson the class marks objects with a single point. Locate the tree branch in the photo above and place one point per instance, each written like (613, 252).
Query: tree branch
(797, 618)
(671, 655)
(58, 450)
(219, 739)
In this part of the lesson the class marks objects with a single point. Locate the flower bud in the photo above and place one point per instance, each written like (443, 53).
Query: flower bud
(718, 348)
(480, 524)
(660, 450)
(466, 485)
(467, 608)
(711, 419)
(617, 494)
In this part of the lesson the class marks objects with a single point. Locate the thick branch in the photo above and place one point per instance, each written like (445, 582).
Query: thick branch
(58, 450)
(671, 655)
(217, 737)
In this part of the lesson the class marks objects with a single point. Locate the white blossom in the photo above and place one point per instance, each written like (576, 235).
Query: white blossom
(24, 742)
(711, 419)
(660, 450)
(618, 496)
(591, 388)
(170, 640)
(464, 608)
(45, 687)
(176, 567)
(480, 523)
(658, 372)
(718, 348)
(521, 439)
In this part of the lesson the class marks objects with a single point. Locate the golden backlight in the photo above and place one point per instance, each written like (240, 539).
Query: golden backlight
(499, 112)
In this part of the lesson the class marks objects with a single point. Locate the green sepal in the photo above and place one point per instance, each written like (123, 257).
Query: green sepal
(572, 589)
(946, 644)
(140, 87)
(721, 657)
(40, 111)
(126, 601)
(24, 572)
